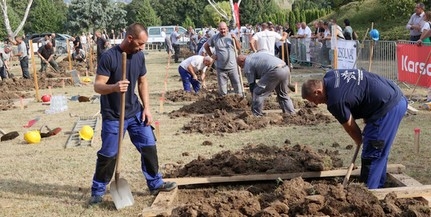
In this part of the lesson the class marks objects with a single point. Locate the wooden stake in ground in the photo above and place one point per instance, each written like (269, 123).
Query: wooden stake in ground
(91, 56)
(33, 67)
(371, 50)
(68, 54)
(361, 47)
(335, 46)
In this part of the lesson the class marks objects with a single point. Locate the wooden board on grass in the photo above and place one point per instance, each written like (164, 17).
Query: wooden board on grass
(163, 204)
(392, 168)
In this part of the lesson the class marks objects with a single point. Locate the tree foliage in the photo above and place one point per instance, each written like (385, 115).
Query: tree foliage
(88, 15)
(46, 16)
(141, 11)
(212, 18)
(398, 8)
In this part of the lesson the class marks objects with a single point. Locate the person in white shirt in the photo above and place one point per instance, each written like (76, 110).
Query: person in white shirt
(414, 24)
(4, 62)
(189, 68)
(264, 41)
(304, 34)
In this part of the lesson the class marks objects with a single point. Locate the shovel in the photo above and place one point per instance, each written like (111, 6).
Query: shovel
(349, 171)
(120, 189)
(8, 136)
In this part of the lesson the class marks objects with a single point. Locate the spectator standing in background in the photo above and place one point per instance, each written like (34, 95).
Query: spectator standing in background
(414, 24)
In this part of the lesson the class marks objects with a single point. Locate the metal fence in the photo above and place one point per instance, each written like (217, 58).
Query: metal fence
(317, 54)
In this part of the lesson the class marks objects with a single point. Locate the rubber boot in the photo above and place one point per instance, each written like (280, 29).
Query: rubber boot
(365, 170)
(105, 167)
(149, 160)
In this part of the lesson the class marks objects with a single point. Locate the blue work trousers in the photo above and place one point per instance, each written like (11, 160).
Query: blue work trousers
(377, 143)
(187, 79)
(141, 136)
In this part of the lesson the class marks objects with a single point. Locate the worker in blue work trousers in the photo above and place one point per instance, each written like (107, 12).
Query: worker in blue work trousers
(352, 94)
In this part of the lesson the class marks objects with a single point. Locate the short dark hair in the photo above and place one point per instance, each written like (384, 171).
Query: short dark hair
(421, 5)
(135, 29)
(308, 87)
(347, 22)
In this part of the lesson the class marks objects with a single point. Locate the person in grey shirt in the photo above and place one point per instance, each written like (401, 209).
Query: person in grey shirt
(22, 54)
(4, 62)
(273, 74)
(224, 56)
(415, 22)
(175, 36)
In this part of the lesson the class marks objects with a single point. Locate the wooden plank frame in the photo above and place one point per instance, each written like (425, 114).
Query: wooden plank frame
(163, 204)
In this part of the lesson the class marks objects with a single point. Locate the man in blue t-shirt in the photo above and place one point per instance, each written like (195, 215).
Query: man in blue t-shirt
(109, 84)
(352, 94)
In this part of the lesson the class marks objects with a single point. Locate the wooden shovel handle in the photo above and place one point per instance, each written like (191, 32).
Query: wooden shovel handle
(352, 164)
(122, 111)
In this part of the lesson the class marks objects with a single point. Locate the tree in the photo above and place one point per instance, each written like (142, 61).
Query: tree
(87, 15)
(7, 25)
(141, 11)
(38, 21)
(211, 17)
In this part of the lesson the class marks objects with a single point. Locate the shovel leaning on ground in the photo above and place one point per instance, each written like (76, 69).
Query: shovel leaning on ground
(120, 189)
(8, 136)
(352, 164)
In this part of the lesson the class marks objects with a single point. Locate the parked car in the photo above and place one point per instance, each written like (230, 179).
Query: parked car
(155, 34)
(60, 42)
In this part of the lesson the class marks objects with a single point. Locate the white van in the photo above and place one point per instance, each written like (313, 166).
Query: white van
(155, 34)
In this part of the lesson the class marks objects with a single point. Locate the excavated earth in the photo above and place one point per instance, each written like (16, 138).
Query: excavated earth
(211, 113)
(13, 89)
(296, 197)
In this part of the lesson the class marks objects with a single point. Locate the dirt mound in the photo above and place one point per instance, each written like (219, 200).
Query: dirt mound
(260, 158)
(296, 197)
(14, 88)
(221, 121)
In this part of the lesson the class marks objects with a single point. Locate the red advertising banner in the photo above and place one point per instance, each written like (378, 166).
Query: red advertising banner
(413, 66)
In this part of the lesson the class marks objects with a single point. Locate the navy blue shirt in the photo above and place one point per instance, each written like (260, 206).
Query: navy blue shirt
(359, 93)
(110, 65)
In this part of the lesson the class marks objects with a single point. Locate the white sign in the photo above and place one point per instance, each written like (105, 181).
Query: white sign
(346, 54)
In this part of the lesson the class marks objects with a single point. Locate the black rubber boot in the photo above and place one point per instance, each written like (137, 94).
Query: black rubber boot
(149, 160)
(105, 167)
(365, 170)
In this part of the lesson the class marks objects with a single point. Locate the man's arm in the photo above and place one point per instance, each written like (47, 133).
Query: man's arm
(353, 130)
(252, 44)
(409, 24)
(192, 72)
(145, 98)
(101, 86)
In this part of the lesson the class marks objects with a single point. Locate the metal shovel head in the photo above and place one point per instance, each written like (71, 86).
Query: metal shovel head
(121, 193)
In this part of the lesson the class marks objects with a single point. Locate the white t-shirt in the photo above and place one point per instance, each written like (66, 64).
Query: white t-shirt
(163, 34)
(265, 41)
(425, 26)
(197, 62)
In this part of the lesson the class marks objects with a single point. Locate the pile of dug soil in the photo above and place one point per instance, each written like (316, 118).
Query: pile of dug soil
(14, 88)
(260, 158)
(296, 197)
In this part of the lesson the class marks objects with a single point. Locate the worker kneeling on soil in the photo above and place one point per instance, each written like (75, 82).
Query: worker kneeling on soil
(352, 94)
(46, 54)
(188, 69)
(273, 74)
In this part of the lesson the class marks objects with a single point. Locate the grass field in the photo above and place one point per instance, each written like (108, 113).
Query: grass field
(48, 180)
